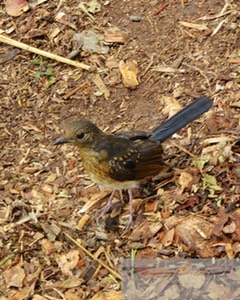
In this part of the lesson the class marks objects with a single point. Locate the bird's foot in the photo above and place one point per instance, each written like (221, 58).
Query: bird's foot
(130, 220)
(106, 208)
(129, 223)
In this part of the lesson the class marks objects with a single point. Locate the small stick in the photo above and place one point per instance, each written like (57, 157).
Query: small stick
(59, 58)
(114, 273)
(184, 150)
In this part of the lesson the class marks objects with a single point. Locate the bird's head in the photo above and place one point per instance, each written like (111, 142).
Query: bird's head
(80, 133)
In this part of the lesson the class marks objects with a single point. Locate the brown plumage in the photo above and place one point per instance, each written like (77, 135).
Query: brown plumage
(121, 160)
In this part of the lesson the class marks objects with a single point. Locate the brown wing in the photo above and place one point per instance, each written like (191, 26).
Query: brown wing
(150, 159)
(131, 160)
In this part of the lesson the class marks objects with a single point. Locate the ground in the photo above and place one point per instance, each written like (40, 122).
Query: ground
(51, 245)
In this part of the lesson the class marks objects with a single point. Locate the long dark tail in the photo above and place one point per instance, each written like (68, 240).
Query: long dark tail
(185, 116)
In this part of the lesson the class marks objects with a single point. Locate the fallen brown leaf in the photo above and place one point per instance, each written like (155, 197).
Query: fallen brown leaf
(112, 295)
(14, 276)
(195, 233)
(67, 262)
(129, 71)
(16, 7)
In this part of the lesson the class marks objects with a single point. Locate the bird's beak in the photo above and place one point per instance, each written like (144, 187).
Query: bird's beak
(61, 140)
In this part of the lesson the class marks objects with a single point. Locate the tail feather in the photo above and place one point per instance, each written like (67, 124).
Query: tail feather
(185, 116)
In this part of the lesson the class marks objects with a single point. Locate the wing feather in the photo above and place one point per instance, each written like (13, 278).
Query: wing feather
(132, 160)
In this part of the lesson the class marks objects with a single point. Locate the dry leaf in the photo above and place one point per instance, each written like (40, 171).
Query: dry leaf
(47, 188)
(82, 222)
(111, 295)
(94, 7)
(93, 201)
(129, 71)
(51, 177)
(101, 85)
(115, 37)
(184, 180)
(141, 232)
(52, 231)
(229, 250)
(168, 238)
(71, 294)
(16, 7)
(230, 228)
(215, 140)
(91, 42)
(234, 60)
(47, 247)
(167, 69)
(194, 26)
(38, 297)
(195, 232)
(68, 284)
(21, 295)
(14, 276)
(54, 34)
(67, 262)
(236, 247)
(171, 107)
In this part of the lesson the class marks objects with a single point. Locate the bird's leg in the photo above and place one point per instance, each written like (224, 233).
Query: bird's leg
(130, 220)
(107, 206)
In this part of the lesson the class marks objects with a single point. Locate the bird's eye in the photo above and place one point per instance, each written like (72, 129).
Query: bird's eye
(80, 136)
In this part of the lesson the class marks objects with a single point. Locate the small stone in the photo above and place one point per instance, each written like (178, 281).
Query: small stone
(136, 18)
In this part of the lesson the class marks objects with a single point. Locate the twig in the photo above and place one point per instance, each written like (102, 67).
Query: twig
(148, 66)
(217, 28)
(183, 149)
(6, 258)
(196, 69)
(222, 13)
(163, 183)
(84, 9)
(23, 46)
(80, 86)
(114, 273)
(216, 16)
(160, 8)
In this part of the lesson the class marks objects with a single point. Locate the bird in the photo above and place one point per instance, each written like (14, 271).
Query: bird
(122, 160)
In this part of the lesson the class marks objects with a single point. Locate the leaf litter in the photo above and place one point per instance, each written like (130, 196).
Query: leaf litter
(51, 245)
